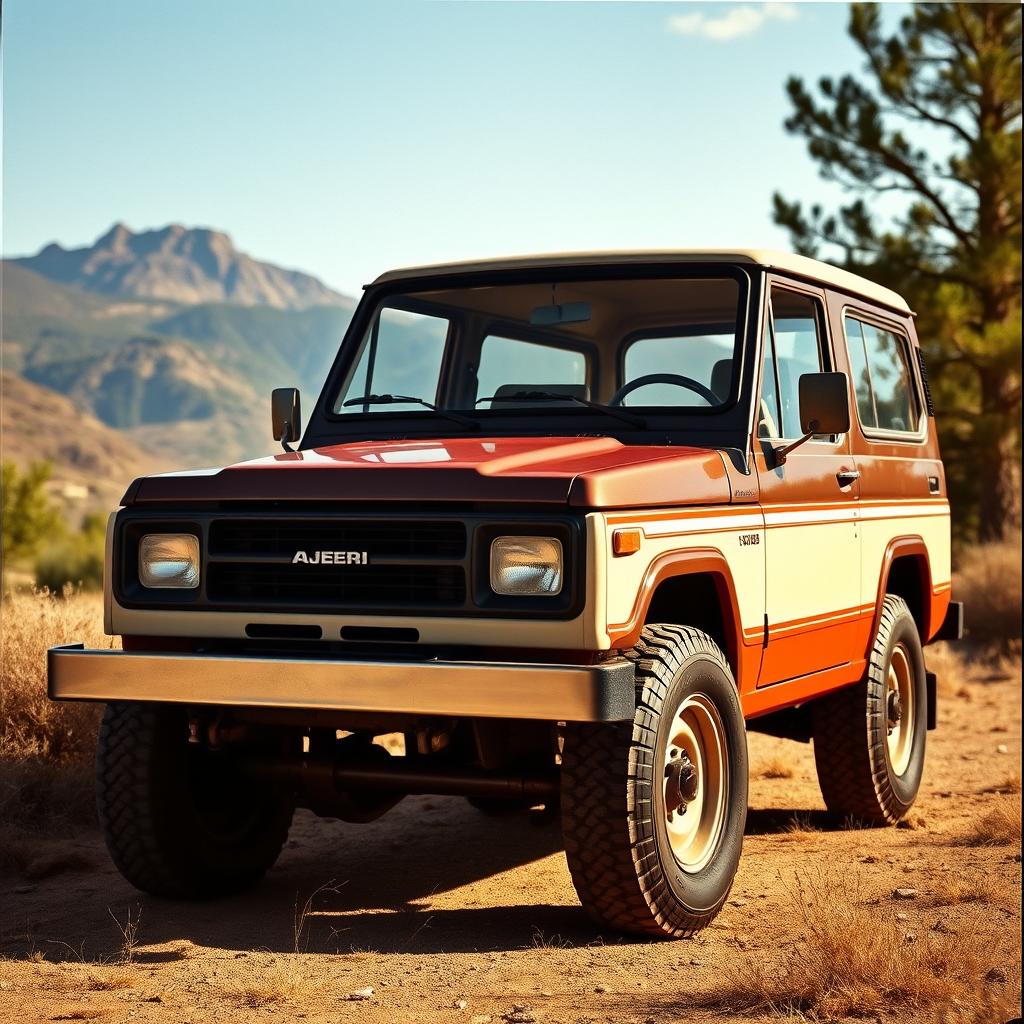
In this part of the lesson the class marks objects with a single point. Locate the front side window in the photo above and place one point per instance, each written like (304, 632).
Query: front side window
(793, 346)
(882, 379)
(768, 418)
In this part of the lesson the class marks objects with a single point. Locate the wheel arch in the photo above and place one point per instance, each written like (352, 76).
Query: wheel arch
(906, 572)
(691, 588)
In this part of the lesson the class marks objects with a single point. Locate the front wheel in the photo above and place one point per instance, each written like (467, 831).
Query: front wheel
(179, 820)
(653, 809)
(869, 739)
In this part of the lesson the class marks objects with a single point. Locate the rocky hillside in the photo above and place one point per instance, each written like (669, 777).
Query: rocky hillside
(92, 463)
(182, 265)
(122, 336)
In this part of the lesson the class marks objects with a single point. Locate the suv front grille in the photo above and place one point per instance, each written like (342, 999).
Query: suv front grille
(336, 586)
(409, 564)
(267, 538)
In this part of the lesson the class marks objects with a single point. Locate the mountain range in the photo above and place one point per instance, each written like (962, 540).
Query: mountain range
(186, 265)
(154, 350)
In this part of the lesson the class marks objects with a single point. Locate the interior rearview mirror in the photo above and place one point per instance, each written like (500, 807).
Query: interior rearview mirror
(565, 313)
(285, 415)
(824, 403)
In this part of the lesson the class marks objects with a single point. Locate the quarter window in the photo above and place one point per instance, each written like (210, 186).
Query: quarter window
(882, 379)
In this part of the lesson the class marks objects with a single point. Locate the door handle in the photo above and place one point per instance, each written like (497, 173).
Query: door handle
(845, 477)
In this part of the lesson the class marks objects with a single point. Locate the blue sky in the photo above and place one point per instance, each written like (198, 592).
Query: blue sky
(344, 138)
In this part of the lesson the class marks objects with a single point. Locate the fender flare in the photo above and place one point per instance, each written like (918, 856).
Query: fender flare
(690, 562)
(899, 547)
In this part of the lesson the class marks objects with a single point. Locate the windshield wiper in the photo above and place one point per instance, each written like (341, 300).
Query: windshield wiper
(405, 400)
(547, 396)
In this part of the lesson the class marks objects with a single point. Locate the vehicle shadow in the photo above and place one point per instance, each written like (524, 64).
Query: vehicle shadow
(340, 888)
(779, 820)
(335, 887)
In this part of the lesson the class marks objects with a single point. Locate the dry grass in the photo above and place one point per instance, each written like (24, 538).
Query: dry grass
(774, 768)
(46, 749)
(799, 829)
(988, 581)
(857, 960)
(956, 889)
(111, 980)
(279, 983)
(1008, 786)
(946, 662)
(1001, 826)
(30, 725)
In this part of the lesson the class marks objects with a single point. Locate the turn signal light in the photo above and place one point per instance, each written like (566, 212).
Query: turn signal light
(625, 542)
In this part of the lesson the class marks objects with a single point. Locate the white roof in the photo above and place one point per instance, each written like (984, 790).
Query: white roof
(786, 262)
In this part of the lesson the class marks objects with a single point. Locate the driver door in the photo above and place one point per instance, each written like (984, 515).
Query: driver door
(812, 544)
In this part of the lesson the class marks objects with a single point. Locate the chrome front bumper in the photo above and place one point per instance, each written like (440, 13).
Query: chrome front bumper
(472, 689)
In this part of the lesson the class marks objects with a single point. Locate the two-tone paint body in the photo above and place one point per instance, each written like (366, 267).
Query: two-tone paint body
(800, 554)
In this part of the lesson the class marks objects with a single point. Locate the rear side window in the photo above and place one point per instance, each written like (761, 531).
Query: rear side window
(882, 378)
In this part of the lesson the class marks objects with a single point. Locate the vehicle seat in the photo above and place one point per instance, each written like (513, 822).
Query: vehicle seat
(721, 378)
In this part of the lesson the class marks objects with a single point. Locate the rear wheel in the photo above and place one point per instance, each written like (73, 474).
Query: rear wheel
(178, 819)
(869, 739)
(653, 809)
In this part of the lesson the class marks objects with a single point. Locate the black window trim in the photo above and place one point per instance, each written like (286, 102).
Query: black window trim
(324, 425)
(826, 352)
(918, 437)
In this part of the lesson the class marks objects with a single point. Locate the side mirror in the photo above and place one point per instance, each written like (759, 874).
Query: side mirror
(824, 403)
(824, 409)
(285, 415)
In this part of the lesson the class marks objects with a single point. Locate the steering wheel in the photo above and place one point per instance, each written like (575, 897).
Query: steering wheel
(665, 378)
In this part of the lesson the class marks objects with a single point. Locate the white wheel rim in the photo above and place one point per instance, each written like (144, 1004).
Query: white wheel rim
(900, 710)
(696, 782)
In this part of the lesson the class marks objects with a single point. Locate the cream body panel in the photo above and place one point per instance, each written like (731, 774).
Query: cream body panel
(812, 562)
(665, 532)
(881, 522)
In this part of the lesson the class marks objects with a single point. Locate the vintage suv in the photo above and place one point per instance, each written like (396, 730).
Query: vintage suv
(570, 524)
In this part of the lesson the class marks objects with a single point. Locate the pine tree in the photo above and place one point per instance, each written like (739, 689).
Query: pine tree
(928, 144)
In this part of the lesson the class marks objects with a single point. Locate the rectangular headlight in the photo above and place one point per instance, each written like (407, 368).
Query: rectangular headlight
(526, 566)
(169, 561)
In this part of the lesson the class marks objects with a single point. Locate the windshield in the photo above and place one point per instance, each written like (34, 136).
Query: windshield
(665, 343)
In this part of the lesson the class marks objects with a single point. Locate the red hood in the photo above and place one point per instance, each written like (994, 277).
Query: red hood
(594, 472)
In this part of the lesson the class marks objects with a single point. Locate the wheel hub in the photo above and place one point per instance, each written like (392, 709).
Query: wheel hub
(894, 709)
(900, 709)
(683, 782)
(696, 782)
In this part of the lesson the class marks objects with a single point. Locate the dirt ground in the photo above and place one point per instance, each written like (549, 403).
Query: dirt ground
(451, 916)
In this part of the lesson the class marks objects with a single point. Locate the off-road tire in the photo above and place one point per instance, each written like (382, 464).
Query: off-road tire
(850, 729)
(151, 787)
(619, 856)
